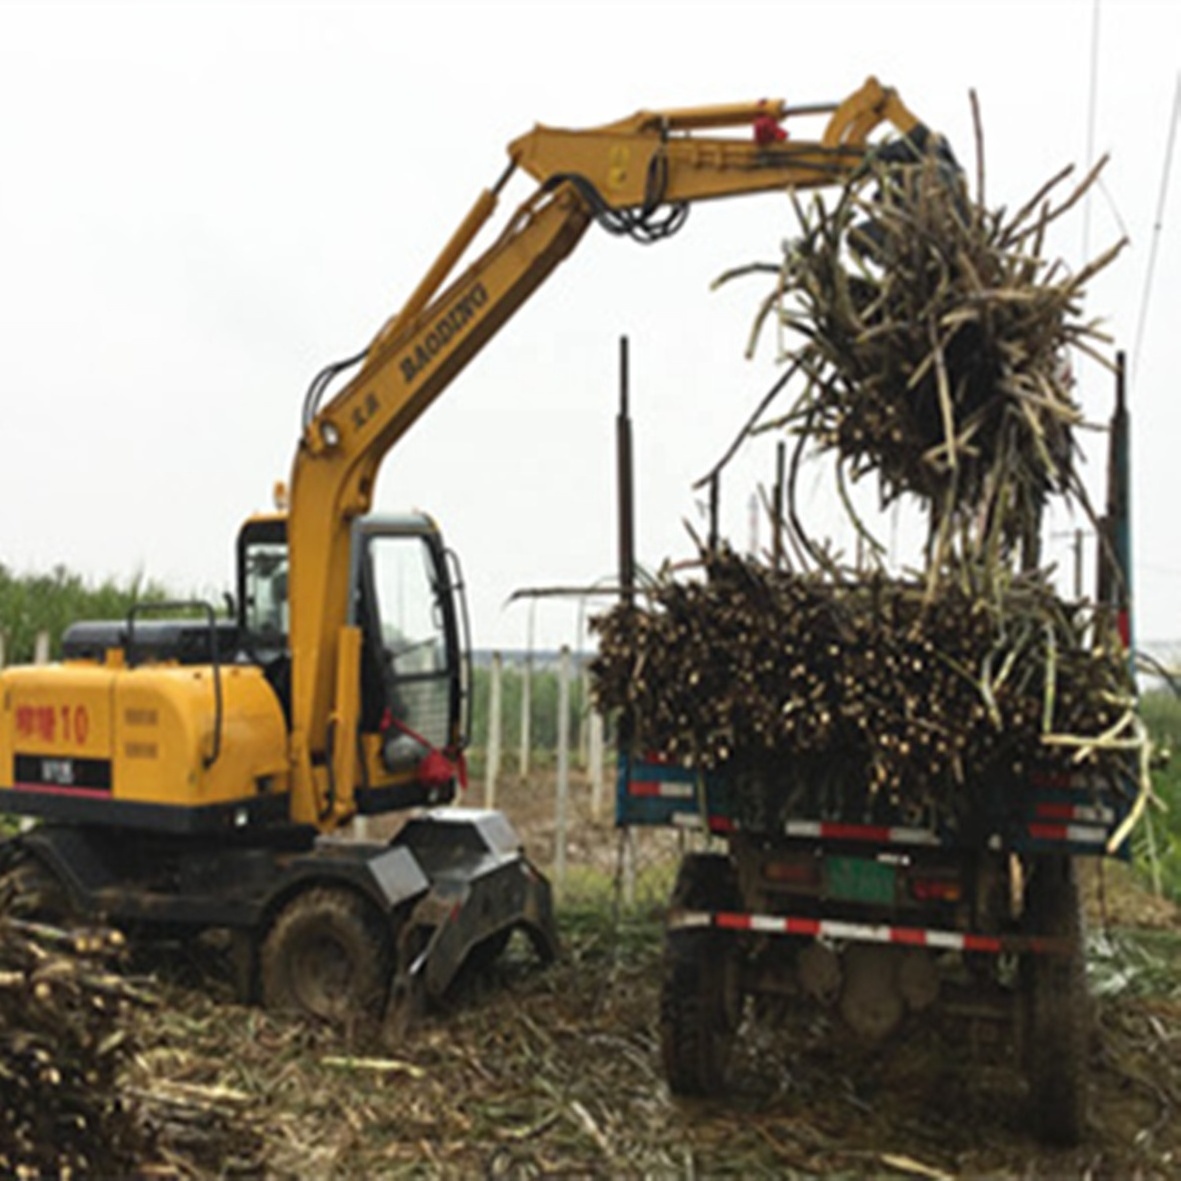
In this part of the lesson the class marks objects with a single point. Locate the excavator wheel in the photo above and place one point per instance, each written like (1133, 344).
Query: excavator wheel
(327, 955)
(488, 951)
(1057, 1007)
(30, 890)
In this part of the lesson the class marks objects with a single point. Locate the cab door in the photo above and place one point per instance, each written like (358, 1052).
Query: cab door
(407, 603)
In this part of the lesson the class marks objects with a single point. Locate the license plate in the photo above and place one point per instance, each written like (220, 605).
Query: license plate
(856, 879)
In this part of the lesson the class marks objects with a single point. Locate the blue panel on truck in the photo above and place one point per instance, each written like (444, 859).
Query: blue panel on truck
(1069, 813)
(649, 791)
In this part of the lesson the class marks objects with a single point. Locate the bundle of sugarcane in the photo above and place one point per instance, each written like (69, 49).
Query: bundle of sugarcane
(62, 1017)
(933, 338)
(861, 690)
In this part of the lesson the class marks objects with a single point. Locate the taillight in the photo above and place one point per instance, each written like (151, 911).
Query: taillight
(795, 871)
(935, 889)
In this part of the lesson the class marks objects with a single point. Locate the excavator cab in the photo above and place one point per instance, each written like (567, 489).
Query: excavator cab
(408, 604)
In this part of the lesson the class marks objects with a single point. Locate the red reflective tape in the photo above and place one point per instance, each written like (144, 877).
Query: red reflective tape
(644, 787)
(911, 936)
(982, 943)
(802, 926)
(94, 793)
(733, 922)
(1048, 832)
(1052, 779)
(865, 933)
(1055, 811)
(854, 832)
(720, 824)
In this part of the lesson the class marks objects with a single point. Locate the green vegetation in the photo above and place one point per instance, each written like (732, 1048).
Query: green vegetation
(1161, 842)
(543, 708)
(32, 603)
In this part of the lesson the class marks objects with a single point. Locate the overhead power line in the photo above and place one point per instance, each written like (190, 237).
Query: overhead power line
(1156, 227)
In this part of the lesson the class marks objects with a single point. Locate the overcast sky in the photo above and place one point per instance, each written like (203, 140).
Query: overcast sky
(203, 204)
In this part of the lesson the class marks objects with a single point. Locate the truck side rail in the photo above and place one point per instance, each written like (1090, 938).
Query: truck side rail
(1068, 812)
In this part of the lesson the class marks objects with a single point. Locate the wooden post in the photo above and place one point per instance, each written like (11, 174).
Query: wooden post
(563, 794)
(492, 747)
(41, 648)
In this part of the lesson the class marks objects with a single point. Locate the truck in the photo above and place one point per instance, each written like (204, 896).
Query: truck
(848, 905)
(198, 772)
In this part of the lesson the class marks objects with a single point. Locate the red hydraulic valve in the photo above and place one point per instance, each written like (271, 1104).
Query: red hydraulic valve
(767, 130)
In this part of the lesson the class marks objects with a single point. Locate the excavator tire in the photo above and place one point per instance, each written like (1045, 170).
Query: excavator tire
(1057, 1008)
(698, 1003)
(30, 890)
(327, 955)
(488, 951)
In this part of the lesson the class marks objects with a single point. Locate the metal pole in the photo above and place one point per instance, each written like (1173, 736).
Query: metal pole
(627, 535)
(627, 527)
(778, 505)
(714, 491)
(1119, 504)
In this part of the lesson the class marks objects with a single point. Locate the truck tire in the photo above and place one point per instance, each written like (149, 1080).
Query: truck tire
(327, 955)
(699, 1000)
(696, 1026)
(1057, 1007)
(705, 881)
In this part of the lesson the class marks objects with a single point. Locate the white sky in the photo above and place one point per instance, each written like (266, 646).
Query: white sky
(202, 204)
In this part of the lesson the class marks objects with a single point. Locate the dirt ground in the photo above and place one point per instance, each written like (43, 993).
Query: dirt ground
(556, 1073)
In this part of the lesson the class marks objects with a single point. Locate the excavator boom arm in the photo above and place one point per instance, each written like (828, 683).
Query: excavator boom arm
(638, 165)
(619, 161)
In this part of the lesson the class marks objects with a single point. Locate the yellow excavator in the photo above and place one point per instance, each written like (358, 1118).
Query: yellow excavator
(192, 772)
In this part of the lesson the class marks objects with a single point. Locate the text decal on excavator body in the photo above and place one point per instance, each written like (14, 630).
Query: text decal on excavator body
(417, 360)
